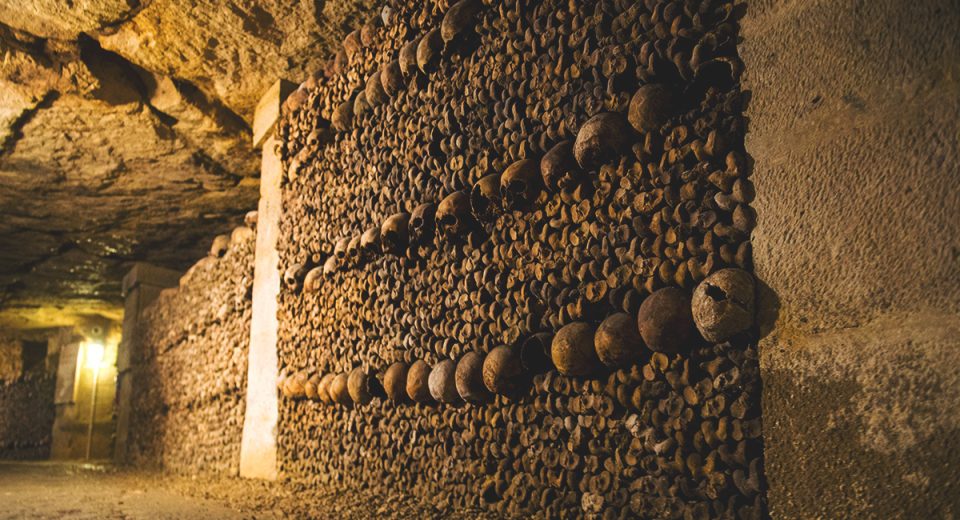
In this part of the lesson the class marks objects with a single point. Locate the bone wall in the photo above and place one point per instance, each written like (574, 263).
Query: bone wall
(189, 371)
(26, 405)
(553, 297)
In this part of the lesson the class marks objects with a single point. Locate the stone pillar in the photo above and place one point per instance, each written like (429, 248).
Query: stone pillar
(854, 125)
(141, 286)
(258, 450)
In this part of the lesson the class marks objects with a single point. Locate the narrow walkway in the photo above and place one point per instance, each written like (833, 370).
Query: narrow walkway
(40, 490)
(49, 490)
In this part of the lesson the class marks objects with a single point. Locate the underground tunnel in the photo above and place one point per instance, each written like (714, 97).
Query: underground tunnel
(599, 259)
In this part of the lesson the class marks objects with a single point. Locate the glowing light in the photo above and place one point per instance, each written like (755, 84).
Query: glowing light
(93, 357)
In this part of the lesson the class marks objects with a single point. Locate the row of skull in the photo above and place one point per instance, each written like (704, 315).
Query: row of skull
(669, 321)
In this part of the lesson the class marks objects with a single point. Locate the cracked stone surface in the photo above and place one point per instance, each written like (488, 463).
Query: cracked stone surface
(125, 136)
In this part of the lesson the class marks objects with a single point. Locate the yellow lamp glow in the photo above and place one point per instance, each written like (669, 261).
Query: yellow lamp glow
(93, 355)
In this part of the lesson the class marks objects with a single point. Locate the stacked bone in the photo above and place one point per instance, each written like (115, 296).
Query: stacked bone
(517, 262)
(26, 416)
(191, 370)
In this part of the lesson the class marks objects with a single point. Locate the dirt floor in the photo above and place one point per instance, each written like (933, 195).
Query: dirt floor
(45, 490)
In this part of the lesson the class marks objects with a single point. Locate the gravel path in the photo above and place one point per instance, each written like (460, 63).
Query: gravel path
(46, 490)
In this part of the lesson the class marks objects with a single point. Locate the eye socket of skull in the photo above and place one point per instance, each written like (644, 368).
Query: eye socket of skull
(340, 249)
(520, 183)
(485, 198)
(395, 233)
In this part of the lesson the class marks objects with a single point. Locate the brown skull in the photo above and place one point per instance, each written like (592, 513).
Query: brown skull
(374, 89)
(340, 249)
(408, 57)
(573, 352)
(442, 382)
(520, 184)
(353, 250)
(458, 19)
(470, 378)
(395, 382)
(428, 51)
(342, 118)
(219, 246)
(360, 104)
(485, 197)
(453, 215)
(418, 386)
(370, 243)
(395, 234)
(392, 78)
(422, 223)
(558, 167)
(311, 282)
(601, 139)
(502, 370)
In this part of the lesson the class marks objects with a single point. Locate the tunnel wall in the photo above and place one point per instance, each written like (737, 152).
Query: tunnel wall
(854, 132)
(190, 366)
(675, 434)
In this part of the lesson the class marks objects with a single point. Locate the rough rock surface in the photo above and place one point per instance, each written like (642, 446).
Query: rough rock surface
(856, 176)
(143, 154)
(235, 51)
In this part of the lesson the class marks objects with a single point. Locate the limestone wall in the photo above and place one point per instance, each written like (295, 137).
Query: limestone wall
(384, 301)
(189, 369)
(854, 132)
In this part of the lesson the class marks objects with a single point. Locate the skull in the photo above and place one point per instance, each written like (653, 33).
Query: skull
(362, 387)
(374, 89)
(342, 118)
(485, 197)
(339, 389)
(442, 382)
(651, 107)
(723, 304)
(428, 51)
(453, 214)
(330, 266)
(353, 250)
(293, 275)
(558, 167)
(502, 370)
(602, 138)
(250, 219)
(323, 388)
(395, 382)
(573, 350)
(219, 246)
(392, 78)
(340, 249)
(351, 43)
(458, 19)
(408, 57)
(520, 184)
(422, 223)
(311, 282)
(370, 243)
(418, 386)
(395, 234)
(360, 104)
(470, 378)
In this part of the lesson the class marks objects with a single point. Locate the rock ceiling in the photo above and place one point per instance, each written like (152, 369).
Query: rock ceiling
(125, 135)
